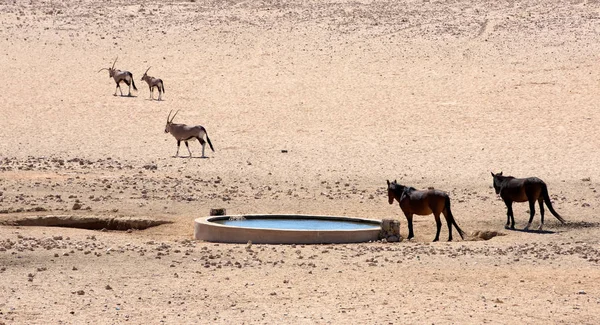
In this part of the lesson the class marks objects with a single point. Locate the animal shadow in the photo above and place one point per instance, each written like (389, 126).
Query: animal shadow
(533, 231)
(188, 157)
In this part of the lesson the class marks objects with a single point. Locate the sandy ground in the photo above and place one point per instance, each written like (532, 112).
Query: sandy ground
(426, 92)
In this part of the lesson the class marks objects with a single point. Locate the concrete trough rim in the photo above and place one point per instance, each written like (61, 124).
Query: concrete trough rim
(207, 230)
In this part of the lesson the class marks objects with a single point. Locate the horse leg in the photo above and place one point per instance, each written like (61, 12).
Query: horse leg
(541, 202)
(449, 222)
(509, 216)
(438, 224)
(531, 213)
(409, 221)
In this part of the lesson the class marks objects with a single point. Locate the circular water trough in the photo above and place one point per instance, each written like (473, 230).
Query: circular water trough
(286, 229)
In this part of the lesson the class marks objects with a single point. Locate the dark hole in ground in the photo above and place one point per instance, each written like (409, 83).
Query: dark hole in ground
(485, 234)
(88, 222)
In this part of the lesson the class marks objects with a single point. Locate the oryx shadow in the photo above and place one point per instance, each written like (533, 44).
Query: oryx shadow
(188, 157)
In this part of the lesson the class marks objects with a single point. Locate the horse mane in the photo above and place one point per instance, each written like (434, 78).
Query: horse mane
(400, 190)
(408, 189)
(502, 178)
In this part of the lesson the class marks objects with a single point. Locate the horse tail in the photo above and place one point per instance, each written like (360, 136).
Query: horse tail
(447, 206)
(162, 85)
(549, 204)
(208, 140)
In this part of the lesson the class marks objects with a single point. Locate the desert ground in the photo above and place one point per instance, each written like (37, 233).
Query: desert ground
(430, 93)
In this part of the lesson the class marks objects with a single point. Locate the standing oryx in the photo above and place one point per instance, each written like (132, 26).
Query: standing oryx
(152, 83)
(118, 75)
(183, 132)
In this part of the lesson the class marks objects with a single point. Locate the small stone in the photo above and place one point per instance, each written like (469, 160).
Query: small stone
(581, 292)
(76, 206)
(108, 287)
(393, 239)
(80, 292)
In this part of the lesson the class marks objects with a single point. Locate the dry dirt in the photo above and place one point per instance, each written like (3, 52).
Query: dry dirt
(431, 93)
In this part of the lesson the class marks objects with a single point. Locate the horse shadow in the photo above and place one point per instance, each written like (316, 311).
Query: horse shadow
(533, 231)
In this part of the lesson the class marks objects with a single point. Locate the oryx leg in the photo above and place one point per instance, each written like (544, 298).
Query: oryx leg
(203, 144)
(177, 153)
(159, 93)
(151, 92)
(118, 87)
(188, 148)
(128, 84)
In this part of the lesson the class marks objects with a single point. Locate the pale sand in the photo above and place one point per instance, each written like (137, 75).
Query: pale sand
(425, 92)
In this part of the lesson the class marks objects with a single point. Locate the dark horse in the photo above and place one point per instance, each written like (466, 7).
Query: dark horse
(423, 203)
(529, 189)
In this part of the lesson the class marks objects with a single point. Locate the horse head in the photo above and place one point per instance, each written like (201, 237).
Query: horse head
(394, 191)
(497, 181)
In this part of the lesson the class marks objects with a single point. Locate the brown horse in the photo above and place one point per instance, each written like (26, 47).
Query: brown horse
(423, 203)
(520, 190)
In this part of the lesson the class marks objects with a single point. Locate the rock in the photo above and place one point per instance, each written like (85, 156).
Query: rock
(150, 167)
(76, 206)
(389, 228)
(393, 239)
(218, 212)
